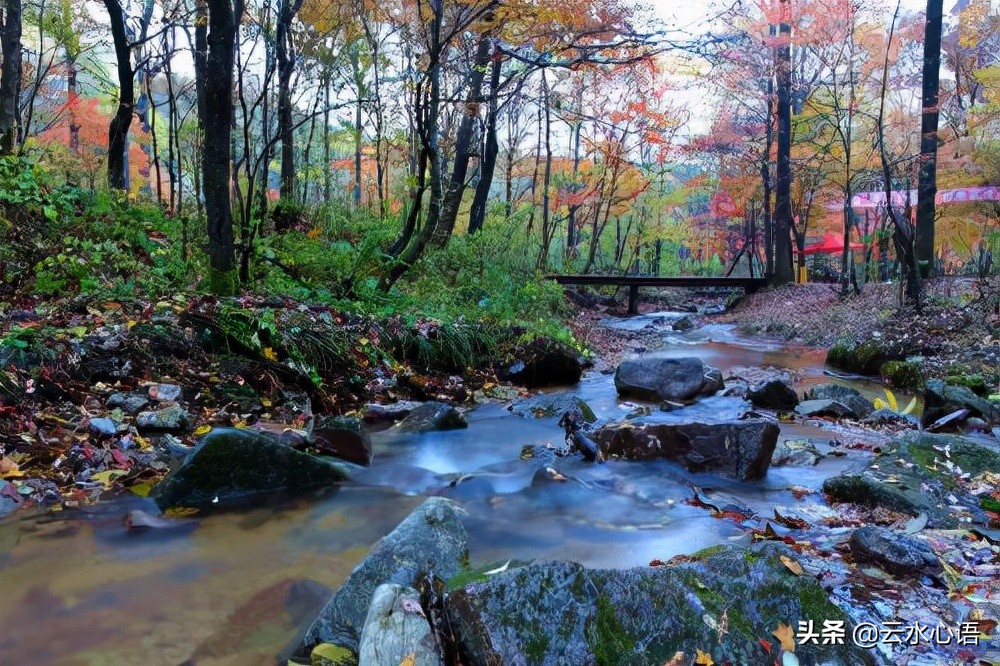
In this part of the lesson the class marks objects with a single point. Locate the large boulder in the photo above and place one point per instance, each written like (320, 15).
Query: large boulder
(430, 540)
(543, 362)
(859, 405)
(774, 394)
(343, 437)
(562, 613)
(740, 449)
(396, 630)
(657, 377)
(942, 399)
(433, 416)
(231, 467)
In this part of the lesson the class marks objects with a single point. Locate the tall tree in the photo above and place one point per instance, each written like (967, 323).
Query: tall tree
(120, 122)
(783, 186)
(10, 75)
(223, 17)
(287, 9)
(927, 177)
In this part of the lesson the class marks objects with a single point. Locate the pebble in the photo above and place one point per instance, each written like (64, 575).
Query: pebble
(103, 426)
(164, 392)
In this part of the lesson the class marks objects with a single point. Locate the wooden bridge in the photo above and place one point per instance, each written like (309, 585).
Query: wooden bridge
(633, 282)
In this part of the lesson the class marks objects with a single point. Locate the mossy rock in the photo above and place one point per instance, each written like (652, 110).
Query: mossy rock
(972, 457)
(902, 374)
(974, 382)
(866, 357)
(866, 491)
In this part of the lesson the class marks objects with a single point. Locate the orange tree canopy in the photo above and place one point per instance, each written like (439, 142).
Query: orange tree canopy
(831, 244)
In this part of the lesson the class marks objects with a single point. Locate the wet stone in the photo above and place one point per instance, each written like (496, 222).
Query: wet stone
(433, 416)
(165, 392)
(897, 553)
(103, 427)
(795, 453)
(172, 418)
(131, 403)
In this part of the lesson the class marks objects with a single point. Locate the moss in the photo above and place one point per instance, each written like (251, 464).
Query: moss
(864, 357)
(902, 374)
(969, 456)
(974, 382)
(536, 646)
(709, 552)
(221, 283)
(328, 654)
(607, 637)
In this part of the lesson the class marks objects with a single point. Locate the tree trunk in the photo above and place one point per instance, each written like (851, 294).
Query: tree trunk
(201, 58)
(765, 176)
(543, 256)
(783, 200)
(359, 85)
(118, 129)
(287, 10)
(927, 180)
(10, 76)
(327, 180)
(463, 145)
(491, 150)
(218, 119)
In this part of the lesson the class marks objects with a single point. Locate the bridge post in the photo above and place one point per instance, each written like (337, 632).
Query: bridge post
(633, 299)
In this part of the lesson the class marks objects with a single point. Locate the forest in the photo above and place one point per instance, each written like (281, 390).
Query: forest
(321, 326)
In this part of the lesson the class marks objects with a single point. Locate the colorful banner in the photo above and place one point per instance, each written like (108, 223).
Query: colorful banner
(869, 200)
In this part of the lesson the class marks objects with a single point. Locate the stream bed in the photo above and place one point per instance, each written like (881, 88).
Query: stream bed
(78, 588)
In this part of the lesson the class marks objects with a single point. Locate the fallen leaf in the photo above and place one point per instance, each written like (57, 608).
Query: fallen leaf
(792, 565)
(180, 511)
(408, 660)
(786, 635)
(498, 569)
(703, 658)
(766, 644)
(107, 477)
(915, 525)
(141, 489)
(677, 660)
(202, 430)
(9, 469)
(269, 354)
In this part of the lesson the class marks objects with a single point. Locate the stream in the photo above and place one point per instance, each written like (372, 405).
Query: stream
(80, 589)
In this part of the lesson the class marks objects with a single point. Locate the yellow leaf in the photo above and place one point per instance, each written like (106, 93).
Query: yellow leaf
(240, 424)
(786, 635)
(202, 430)
(792, 565)
(129, 324)
(107, 477)
(143, 443)
(880, 403)
(409, 660)
(893, 405)
(910, 407)
(180, 511)
(265, 402)
(269, 354)
(9, 469)
(703, 658)
(141, 489)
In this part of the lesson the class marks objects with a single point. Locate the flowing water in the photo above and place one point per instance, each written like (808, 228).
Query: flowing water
(78, 588)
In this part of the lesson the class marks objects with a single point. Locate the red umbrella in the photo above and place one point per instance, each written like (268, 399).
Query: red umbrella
(831, 244)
